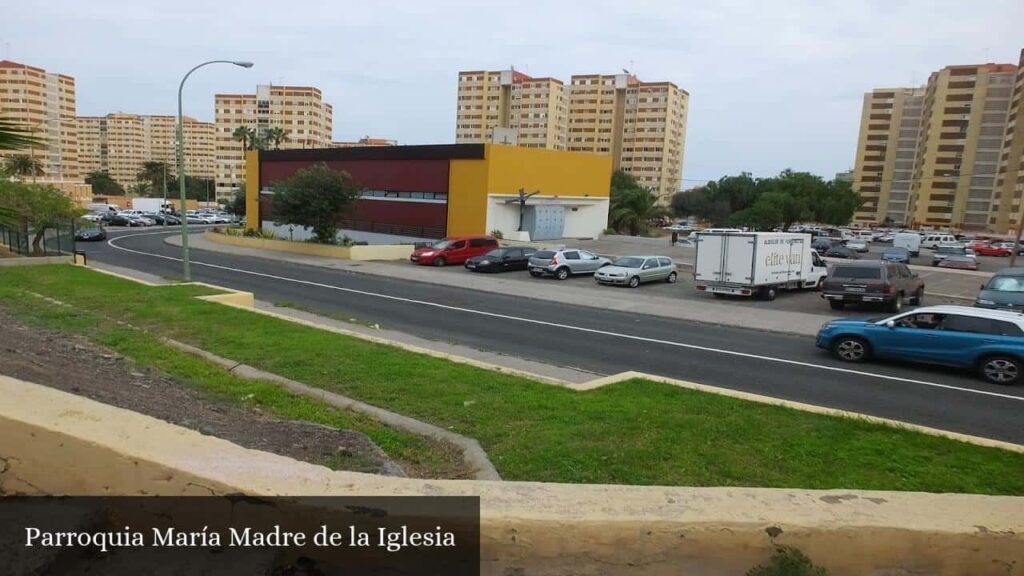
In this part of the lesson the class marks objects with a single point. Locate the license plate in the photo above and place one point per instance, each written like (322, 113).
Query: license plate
(725, 290)
(855, 289)
(535, 269)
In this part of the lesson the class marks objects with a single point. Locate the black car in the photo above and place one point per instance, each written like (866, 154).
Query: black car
(91, 235)
(168, 219)
(121, 220)
(822, 244)
(501, 260)
(841, 252)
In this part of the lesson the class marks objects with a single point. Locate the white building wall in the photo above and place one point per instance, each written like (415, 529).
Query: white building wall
(588, 220)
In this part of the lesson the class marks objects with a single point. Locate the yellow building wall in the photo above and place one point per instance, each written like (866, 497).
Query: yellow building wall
(252, 190)
(506, 169)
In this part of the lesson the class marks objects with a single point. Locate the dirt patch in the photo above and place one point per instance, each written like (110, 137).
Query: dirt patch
(73, 364)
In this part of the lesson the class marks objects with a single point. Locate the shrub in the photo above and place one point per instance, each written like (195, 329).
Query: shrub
(788, 561)
(497, 234)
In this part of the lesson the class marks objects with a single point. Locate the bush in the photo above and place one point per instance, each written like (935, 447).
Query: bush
(608, 231)
(497, 234)
(258, 233)
(788, 561)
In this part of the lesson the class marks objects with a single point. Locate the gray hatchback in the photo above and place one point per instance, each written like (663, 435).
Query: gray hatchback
(632, 270)
(564, 262)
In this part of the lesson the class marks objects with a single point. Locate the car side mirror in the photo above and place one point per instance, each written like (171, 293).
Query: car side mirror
(982, 287)
(890, 324)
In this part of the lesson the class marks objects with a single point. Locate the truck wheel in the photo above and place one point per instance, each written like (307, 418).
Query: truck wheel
(769, 293)
(837, 304)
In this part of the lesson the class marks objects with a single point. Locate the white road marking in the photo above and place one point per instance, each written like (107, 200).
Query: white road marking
(569, 326)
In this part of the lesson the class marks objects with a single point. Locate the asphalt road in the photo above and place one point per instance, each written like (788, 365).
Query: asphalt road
(602, 341)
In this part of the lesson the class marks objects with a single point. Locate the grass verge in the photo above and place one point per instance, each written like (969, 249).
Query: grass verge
(635, 432)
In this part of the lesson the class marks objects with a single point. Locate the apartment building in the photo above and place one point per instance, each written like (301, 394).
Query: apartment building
(44, 103)
(642, 125)
(886, 151)
(1009, 185)
(364, 141)
(300, 111)
(937, 156)
(509, 107)
(120, 144)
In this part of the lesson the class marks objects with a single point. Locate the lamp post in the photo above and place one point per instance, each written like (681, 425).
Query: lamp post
(181, 163)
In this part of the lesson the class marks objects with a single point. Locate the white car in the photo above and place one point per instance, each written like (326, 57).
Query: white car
(92, 217)
(857, 245)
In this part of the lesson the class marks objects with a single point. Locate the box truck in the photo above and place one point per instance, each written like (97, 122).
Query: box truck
(756, 263)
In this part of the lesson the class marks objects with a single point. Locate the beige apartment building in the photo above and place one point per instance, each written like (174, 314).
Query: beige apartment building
(44, 103)
(642, 125)
(929, 157)
(299, 110)
(886, 150)
(1010, 175)
(120, 144)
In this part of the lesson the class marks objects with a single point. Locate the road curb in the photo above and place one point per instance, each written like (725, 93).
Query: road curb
(472, 452)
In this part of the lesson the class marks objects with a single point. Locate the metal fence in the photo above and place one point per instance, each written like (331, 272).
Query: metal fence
(56, 241)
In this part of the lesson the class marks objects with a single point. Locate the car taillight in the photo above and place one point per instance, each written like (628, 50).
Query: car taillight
(554, 260)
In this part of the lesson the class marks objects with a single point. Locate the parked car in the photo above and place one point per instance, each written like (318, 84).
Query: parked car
(1005, 290)
(120, 220)
(632, 270)
(989, 341)
(991, 250)
(501, 260)
(933, 241)
(454, 250)
(898, 255)
(92, 217)
(887, 283)
(193, 219)
(841, 252)
(142, 221)
(171, 219)
(886, 238)
(822, 244)
(946, 250)
(857, 245)
(91, 234)
(564, 262)
(959, 263)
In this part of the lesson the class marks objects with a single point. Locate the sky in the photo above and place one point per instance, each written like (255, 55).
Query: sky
(772, 84)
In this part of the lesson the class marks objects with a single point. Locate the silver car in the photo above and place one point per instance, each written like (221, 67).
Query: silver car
(632, 270)
(563, 262)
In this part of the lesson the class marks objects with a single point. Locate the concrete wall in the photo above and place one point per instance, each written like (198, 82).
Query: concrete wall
(380, 252)
(52, 442)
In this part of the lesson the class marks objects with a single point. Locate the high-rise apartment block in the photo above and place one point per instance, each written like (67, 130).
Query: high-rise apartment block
(43, 103)
(642, 125)
(300, 111)
(939, 156)
(1010, 174)
(120, 144)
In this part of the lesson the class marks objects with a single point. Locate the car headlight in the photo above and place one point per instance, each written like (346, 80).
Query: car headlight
(485, 262)
(986, 302)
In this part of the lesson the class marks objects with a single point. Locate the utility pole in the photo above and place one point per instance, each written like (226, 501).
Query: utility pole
(163, 206)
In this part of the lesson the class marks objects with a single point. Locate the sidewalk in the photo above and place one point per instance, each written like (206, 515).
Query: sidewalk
(635, 302)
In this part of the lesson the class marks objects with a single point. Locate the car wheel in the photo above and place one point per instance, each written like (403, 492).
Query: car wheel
(769, 293)
(897, 303)
(672, 277)
(837, 304)
(536, 274)
(851, 349)
(634, 282)
(1002, 370)
(439, 261)
(918, 298)
(562, 273)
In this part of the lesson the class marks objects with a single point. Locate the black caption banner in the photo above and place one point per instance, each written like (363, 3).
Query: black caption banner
(240, 535)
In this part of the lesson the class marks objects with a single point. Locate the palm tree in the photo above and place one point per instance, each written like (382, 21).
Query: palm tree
(139, 189)
(276, 136)
(152, 174)
(23, 165)
(245, 135)
(633, 210)
(15, 137)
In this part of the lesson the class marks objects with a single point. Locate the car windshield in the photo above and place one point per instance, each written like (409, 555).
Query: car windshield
(1006, 284)
(441, 244)
(629, 262)
(895, 252)
(857, 272)
(500, 252)
(950, 250)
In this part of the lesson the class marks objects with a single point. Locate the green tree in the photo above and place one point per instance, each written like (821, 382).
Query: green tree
(631, 206)
(103, 185)
(243, 134)
(16, 137)
(36, 208)
(315, 197)
(766, 214)
(276, 136)
(195, 188)
(237, 204)
(153, 174)
(23, 166)
(140, 189)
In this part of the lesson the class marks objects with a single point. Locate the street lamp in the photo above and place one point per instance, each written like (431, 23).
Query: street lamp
(181, 163)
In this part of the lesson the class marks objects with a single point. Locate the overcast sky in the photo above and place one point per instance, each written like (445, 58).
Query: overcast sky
(772, 84)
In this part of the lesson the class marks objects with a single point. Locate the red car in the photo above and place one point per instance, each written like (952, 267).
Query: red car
(990, 250)
(454, 250)
(958, 262)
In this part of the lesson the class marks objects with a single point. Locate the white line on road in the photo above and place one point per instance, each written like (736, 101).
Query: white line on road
(568, 326)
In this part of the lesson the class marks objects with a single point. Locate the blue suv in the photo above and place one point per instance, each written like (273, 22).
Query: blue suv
(989, 341)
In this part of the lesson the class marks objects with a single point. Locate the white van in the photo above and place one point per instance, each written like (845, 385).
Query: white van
(932, 241)
(909, 240)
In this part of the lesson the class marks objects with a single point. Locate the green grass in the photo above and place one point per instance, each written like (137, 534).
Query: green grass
(635, 432)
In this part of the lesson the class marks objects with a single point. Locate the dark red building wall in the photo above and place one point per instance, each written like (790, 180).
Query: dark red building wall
(410, 218)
